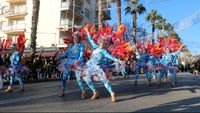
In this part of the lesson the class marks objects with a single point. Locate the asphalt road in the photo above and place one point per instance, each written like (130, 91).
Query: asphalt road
(43, 97)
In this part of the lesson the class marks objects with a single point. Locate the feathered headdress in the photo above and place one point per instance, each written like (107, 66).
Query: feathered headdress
(5, 44)
(87, 53)
(173, 44)
(157, 50)
(20, 45)
(163, 43)
(68, 40)
(120, 47)
(104, 35)
(115, 42)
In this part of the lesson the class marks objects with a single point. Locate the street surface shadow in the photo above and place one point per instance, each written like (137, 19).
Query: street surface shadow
(185, 105)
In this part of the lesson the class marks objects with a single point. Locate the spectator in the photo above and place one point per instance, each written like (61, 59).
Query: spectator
(52, 67)
(7, 60)
(46, 69)
(1, 61)
(23, 59)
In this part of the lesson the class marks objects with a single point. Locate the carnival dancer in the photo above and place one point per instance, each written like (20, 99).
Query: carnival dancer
(72, 55)
(174, 69)
(167, 65)
(93, 68)
(2, 68)
(156, 52)
(107, 66)
(4, 44)
(123, 70)
(16, 68)
(141, 63)
(151, 68)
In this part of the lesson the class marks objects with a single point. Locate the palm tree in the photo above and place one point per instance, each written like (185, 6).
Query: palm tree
(160, 23)
(175, 35)
(133, 8)
(35, 16)
(142, 32)
(100, 13)
(169, 28)
(152, 16)
(118, 5)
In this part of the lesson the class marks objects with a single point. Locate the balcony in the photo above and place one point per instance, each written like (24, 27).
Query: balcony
(15, 13)
(66, 24)
(105, 4)
(69, 8)
(4, 10)
(16, 1)
(77, 2)
(14, 28)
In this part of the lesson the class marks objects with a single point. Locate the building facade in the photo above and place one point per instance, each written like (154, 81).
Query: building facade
(57, 19)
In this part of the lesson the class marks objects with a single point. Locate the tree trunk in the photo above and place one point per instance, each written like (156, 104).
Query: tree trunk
(168, 33)
(100, 14)
(153, 30)
(118, 4)
(35, 16)
(135, 26)
(161, 32)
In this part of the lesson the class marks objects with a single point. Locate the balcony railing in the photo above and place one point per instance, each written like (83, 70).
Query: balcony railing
(16, 11)
(78, 3)
(4, 11)
(106, 4)
(14, 27)
(64, 22)
(16, 1)
(66, 5)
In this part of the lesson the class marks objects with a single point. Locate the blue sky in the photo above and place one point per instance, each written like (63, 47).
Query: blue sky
(173, 11)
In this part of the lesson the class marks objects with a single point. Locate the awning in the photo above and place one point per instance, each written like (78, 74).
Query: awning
(44, 54)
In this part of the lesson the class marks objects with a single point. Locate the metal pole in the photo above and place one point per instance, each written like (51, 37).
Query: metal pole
(73, 16)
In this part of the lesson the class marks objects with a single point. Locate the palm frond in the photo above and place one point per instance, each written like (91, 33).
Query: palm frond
(141, 9)
(127, 10)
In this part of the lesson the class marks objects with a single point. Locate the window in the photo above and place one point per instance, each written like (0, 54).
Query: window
(87, 13)
(4, 10)
(88, 1)
(1, 23)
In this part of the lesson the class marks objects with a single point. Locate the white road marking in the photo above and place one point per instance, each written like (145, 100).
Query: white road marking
(38, 96)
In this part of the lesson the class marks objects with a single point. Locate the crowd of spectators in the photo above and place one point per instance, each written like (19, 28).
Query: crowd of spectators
(45, 68)
(195, 67)
(41, 68)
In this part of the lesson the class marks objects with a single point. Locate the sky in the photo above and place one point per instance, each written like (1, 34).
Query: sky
(173, 11)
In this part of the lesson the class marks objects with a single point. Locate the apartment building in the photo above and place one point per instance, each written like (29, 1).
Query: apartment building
(55, 19)
(106, 4)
